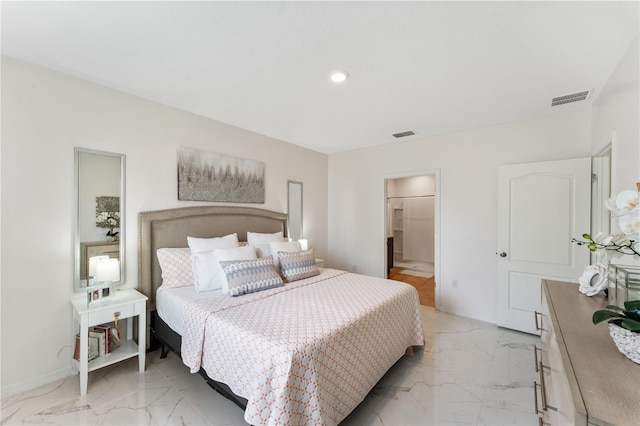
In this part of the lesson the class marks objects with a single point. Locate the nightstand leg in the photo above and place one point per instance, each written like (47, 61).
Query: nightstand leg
(142, 339)
(84, 353)
(129, 328)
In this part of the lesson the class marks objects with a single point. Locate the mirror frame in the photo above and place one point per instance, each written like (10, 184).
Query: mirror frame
(294, 209)
(77, 285)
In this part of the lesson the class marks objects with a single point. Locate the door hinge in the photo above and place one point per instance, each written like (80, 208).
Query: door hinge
(594, 178)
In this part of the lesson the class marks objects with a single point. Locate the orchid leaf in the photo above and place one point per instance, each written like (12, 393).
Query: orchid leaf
(632, 306)
(604, 315)
(628, 318)
(615, 308)
(630, 324)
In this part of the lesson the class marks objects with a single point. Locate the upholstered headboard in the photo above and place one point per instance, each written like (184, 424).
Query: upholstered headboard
(170, 228)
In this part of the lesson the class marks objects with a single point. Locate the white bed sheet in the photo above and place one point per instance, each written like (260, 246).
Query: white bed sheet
(171, 302)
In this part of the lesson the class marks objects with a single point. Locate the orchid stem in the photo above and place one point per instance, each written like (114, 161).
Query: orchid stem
(593, 246)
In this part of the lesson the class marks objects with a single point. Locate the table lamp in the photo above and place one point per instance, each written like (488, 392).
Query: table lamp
(107, 271)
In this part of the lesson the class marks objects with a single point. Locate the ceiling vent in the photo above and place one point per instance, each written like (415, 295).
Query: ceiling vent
(403, 134)
(573, 97)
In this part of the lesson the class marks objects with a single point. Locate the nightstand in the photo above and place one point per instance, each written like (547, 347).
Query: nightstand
(126, 304)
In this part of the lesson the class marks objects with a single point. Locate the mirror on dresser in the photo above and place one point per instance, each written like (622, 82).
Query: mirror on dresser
(99, 213)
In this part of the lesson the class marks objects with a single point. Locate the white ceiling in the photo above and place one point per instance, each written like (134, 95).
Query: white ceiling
(431, 67)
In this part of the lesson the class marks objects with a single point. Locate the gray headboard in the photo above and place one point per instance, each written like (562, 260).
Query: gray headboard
(170, 228)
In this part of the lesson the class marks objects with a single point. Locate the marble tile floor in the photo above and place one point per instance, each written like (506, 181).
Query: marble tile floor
(470, 372)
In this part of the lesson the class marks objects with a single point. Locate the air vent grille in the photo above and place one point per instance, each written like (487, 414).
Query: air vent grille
(573, 97)
(403, 134)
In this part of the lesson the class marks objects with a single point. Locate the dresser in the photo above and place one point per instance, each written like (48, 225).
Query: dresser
(97, 248)
(582, 377)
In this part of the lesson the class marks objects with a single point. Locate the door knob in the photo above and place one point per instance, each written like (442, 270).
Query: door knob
(503, 254)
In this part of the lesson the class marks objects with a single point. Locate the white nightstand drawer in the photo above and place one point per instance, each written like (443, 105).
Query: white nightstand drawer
(107, 314)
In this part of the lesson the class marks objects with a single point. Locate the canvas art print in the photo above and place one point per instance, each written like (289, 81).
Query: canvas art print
(207, 176)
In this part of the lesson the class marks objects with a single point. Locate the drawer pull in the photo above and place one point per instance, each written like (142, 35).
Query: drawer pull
(535, 358)
(543, 390)
(116, 331)
(538, 325)
(535, 403)
(535, 397)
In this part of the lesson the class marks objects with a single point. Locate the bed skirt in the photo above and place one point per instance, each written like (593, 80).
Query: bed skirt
(163, 336)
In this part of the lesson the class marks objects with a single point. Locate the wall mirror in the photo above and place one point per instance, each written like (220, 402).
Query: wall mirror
(295, 210)
(99, 216)
(600, 192)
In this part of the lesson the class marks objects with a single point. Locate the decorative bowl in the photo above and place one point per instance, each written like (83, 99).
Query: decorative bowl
(626, 341)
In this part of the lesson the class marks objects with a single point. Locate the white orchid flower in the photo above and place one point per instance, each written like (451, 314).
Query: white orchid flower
(618, 238)
(614, 254)
(606, 240)
(623, 203)
(625, 206)
(630, 223)
(627, 200)
(610, 204)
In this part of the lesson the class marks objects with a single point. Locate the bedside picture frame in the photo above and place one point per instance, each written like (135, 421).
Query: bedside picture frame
(96, 293)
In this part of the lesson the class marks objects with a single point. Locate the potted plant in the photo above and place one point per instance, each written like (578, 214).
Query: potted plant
(624, 327)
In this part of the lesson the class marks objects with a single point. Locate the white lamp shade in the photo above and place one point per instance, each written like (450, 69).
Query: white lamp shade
(93, 261)
(108, 270)
(304, 245)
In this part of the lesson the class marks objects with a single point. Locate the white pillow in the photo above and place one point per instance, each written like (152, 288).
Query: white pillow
(207, 272)
(226, 255)
(261, 242)
(198, 245)
(284, 246)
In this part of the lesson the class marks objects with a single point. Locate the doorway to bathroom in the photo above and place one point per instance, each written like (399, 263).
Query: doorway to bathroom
(411, 232)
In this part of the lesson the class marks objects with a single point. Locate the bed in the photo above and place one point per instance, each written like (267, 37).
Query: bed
(307, 352)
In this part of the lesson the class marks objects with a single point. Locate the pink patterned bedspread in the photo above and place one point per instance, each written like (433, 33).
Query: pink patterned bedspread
(308, 352)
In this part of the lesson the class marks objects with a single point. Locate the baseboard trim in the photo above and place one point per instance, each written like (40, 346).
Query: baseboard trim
(10, 390)
(480, 316)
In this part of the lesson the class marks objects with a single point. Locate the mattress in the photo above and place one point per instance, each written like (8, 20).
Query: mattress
(171, 303)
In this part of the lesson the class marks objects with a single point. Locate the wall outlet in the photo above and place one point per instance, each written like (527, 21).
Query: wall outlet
(454, 283)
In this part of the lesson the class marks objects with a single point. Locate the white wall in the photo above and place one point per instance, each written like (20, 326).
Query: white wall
(468, 163)
(44, 115)
(617, 111)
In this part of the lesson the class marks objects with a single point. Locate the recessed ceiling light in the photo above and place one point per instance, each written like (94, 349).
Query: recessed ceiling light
(339, 76)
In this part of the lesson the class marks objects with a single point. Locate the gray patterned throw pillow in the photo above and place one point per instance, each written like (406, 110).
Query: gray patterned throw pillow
(298, 265)
(249, 276)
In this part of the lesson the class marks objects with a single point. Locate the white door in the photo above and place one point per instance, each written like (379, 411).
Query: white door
(541, 206)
